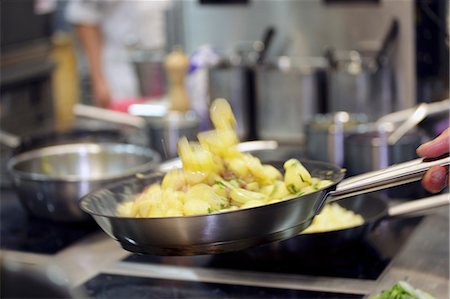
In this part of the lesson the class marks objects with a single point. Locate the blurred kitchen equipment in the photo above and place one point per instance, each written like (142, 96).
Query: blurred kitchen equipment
(11, 145)
(266, 43)
(167, 130)
(51, 180)
(176, 65)
(371, 150)
(392, 139)
(326, 133)
(240, 229)
(149, 67)
(163, 129)
(288, 95)
(433, 108)
(233, 78)
(419, 114)
(361, 82)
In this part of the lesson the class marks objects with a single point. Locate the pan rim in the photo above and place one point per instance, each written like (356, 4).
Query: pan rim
(91, 147)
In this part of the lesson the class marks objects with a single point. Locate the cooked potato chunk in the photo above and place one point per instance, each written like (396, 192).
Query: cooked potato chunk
(217, 177)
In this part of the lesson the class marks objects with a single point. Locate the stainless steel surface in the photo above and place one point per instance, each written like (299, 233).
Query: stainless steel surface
(326, 135)
(356, 86)
(231, 81)
(411, 171)
(370, 150)
(234, 230)
(419, 205)
(163, 132)
(301, 30)
(433, 108)
(110, 116)
(50, 181)
(287, 92)
(419, 114)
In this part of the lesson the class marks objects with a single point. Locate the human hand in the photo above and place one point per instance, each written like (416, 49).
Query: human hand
(102, 94)
(436, 178)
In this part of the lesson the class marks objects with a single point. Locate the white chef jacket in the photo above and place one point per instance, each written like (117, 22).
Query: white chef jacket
(122, 23)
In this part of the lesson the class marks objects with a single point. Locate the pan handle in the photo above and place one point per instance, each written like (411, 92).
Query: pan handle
(420, 205)
(399, 174)
(10, 140)
(110, 116)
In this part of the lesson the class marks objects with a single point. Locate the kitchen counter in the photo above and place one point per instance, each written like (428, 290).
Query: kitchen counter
(96, 265)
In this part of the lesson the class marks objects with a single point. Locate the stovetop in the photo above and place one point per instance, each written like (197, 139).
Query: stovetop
(119, 286)
(19, 231)
(364, 258)
(277, 270)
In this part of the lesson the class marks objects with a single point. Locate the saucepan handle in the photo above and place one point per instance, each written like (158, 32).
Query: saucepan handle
(396, 175)
(10, 140)
(420, 205)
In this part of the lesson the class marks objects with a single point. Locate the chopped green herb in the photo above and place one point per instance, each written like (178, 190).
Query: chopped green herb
(219, 183)
(209, 211)
(301, 178)
(291, 188)
(403, 290)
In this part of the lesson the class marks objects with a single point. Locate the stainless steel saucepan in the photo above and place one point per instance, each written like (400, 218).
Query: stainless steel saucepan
(51, 180)
(240, 229)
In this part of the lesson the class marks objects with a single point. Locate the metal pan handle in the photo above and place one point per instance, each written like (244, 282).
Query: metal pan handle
(420, 205)
(396, 175)
(111, 116)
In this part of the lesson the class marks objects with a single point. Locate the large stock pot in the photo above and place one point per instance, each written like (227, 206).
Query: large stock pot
(288, 95)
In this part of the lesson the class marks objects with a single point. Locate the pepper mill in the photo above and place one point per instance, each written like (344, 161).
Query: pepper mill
(176, 65)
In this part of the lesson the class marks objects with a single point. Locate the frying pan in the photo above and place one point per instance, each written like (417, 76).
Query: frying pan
(240, 229)
(372, 209)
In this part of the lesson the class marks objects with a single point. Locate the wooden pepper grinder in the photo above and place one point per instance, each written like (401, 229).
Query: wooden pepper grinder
(176, 65)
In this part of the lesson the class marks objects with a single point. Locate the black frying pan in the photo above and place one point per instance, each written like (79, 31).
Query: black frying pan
(240, 229)
(372, 209)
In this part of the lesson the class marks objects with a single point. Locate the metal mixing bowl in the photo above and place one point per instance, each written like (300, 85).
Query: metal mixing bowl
(50, 181)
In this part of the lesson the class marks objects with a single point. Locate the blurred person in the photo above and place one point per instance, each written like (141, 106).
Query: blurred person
(436, 178)
(107, 29)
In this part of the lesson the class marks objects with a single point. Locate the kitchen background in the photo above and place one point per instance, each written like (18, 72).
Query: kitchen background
(306, 32)
(285, 66)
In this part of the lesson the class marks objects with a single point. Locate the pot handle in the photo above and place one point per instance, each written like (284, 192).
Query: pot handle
(399, 174)
(110, 116)
(419, 205)
(10, 140)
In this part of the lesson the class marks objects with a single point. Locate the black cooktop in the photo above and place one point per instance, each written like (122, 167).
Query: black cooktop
(117, 286)
(364, 258)
(20, 231)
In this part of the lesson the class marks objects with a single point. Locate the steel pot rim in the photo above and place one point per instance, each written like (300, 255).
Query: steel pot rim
(76, 148)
